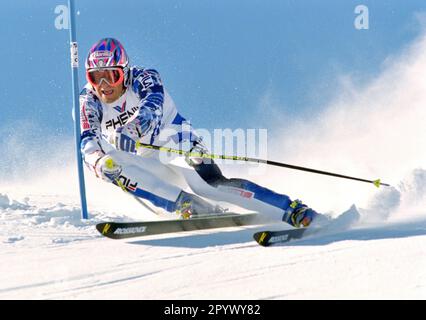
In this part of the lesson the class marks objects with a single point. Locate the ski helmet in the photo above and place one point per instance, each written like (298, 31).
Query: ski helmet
(108, 53)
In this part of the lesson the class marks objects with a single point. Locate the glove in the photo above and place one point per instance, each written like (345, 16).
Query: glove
(125, 137)
(107, 169)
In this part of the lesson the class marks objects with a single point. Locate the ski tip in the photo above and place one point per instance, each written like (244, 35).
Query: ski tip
(262, 238)
(103, 228)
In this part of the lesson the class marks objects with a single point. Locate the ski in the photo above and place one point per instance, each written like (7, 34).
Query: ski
(267, 238)
(122, 230)
(338, 224)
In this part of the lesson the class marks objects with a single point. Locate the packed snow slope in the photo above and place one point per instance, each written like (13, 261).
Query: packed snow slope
(370, 130)
(48, 253)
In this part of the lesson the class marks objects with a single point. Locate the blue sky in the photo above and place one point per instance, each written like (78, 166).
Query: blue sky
(218, 58)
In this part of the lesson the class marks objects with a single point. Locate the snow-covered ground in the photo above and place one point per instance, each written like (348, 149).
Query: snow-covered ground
(47, 252)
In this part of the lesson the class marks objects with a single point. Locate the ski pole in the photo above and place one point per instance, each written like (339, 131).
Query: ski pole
(110, 164)
(376, 182)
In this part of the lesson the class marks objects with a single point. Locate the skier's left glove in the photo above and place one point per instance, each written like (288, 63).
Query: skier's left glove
(196, 154)
(107, 169)
(125, 137)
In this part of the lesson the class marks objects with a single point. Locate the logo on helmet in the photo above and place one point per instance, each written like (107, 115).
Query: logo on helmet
(101, 54)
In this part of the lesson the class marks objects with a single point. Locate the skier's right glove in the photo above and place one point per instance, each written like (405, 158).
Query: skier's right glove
(107, 169)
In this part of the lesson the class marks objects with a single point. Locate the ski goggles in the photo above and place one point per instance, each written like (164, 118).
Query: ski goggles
(112, 76)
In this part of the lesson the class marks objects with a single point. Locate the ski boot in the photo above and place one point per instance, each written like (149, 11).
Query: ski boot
(299, 215)
(189, 206)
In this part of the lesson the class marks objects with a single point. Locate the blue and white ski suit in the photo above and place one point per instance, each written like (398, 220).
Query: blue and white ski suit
(150, 174)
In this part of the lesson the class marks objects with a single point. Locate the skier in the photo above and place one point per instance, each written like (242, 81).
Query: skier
(122, 105)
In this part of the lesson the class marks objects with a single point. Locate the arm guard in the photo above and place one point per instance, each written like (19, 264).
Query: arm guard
(148, 86)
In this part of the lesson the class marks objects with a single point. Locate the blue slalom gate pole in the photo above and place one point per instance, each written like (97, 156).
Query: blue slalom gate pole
(76, 106)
